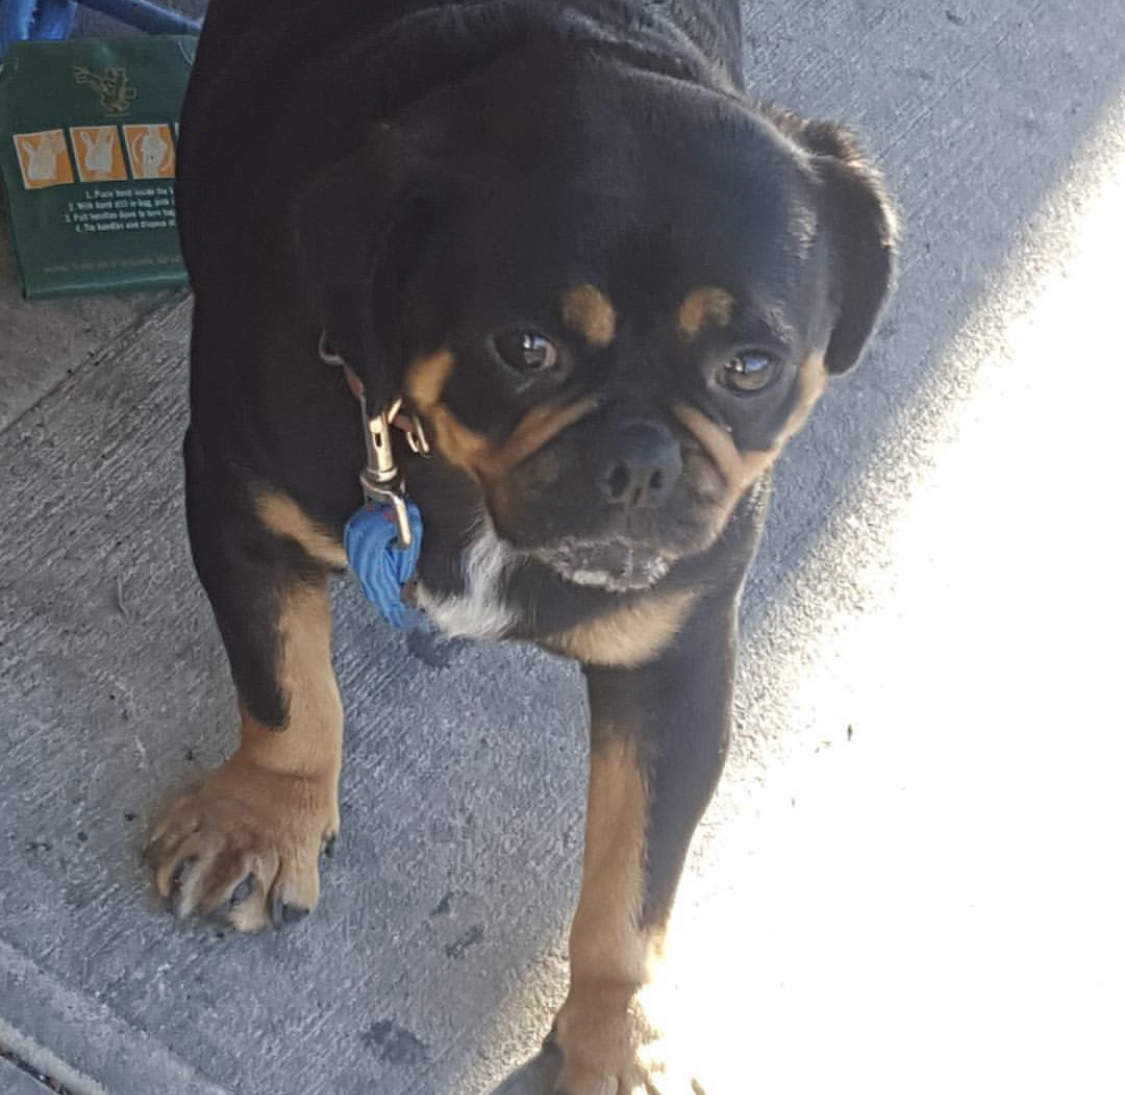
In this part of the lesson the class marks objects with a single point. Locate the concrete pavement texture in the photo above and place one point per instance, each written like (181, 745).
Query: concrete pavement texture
(910, 877)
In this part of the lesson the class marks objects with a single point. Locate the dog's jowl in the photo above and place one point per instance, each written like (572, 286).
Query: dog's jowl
(609, 287)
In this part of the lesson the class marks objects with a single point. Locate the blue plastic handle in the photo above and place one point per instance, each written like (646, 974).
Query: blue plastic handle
(51, 20)
(24, 20)
(146, 16)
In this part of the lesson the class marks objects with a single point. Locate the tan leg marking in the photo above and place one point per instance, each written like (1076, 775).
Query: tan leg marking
(707, 304)
(597, 1027)
(629, 636)
(605, 942)
(605, 1029)
(589, 311)
(285, 519)
(266, 812)
(309, 744)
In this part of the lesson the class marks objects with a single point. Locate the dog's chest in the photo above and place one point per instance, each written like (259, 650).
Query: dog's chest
(478, 610)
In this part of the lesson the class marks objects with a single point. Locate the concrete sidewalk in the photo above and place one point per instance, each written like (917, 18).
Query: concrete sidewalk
(909, 881)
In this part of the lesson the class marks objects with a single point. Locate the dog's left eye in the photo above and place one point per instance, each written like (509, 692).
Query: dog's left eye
(526, 352)
(749, 371)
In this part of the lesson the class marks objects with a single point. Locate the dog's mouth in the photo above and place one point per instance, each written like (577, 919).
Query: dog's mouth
(615, 565)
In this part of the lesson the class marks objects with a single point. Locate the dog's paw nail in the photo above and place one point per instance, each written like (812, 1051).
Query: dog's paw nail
(290, 914)
(242, 891)
(175, 884)
(282, 913)
(328, 848)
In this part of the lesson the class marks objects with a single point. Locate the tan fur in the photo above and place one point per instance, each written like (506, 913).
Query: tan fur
(269, 809)
(284, 518)
(741, 469)
(605, 942)
(425, 380)
(631, 635)
(707, 304)
(309, 744)
(598, 1028)
(538, 427)
(466, 448)
(589, 311)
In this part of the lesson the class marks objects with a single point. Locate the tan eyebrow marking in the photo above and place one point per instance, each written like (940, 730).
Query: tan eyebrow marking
(589, 310)
(706, 304)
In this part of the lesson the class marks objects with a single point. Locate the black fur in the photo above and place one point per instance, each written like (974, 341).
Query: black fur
(420, 177)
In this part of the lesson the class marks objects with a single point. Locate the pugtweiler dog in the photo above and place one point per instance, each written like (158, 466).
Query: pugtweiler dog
(609, 287)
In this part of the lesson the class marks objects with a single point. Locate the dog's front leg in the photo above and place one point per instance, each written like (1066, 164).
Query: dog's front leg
(658, 740)
(245, 845)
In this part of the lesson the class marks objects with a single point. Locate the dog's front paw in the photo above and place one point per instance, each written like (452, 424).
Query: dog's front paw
(609, 1046)
(245, 846)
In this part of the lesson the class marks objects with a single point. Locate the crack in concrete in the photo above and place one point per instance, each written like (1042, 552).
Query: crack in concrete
(26, 1067)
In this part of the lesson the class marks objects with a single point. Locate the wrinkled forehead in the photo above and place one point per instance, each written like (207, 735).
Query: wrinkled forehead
(645, 234)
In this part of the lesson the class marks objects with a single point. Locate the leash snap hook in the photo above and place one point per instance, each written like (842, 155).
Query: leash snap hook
(380, 479)
(416, 439)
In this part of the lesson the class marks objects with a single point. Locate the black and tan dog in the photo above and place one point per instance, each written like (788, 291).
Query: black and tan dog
(610, 288)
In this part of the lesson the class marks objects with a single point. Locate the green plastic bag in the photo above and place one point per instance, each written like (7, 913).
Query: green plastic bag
(88, 133)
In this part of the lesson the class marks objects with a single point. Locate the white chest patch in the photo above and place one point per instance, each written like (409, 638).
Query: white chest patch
(478, 611)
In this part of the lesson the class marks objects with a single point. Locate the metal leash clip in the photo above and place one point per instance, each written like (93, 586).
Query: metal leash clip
(416, 440)
(381, 481)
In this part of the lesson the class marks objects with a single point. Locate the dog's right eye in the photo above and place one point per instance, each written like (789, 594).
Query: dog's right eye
(526, 352)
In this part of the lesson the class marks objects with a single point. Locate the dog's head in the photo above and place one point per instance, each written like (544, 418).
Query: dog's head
(611, 295)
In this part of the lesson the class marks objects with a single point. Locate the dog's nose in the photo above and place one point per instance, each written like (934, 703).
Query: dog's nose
(643, 466)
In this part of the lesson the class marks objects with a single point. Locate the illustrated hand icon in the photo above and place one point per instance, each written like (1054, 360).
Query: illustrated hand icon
(99, 152)
(42, 157)
(151, 150)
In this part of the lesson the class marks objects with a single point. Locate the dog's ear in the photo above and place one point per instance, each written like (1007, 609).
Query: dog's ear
(355, 230)
(863, 229)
